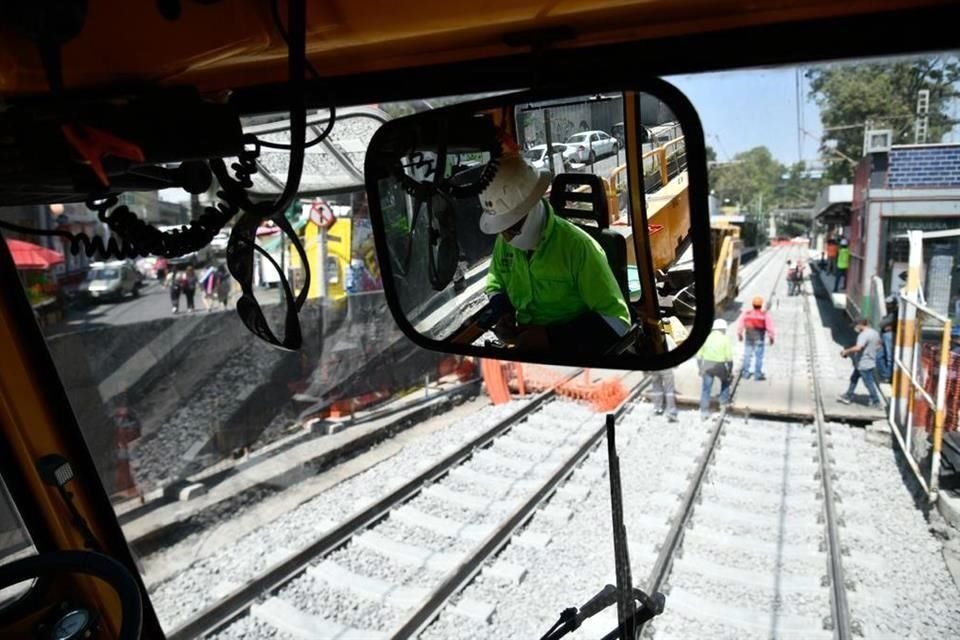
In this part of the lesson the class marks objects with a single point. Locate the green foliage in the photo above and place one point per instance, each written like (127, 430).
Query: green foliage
(884, 93)
(798, 190)
(749, 177)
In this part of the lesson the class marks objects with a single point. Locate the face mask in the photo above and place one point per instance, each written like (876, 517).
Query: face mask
(532, 229)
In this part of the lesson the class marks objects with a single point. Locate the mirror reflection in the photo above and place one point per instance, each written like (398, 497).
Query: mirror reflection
(555, 226)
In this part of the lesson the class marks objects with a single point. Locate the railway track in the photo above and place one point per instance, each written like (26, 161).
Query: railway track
(753, 550)
(388, 570)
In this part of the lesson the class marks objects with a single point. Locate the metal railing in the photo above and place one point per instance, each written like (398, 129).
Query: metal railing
(913, 376)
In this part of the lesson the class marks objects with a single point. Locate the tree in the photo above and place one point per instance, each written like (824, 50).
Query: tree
(883, 93)
(798, 189)
(751, 176)
(711, 154)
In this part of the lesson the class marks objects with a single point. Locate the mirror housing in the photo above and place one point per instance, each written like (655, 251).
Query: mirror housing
(442, 246)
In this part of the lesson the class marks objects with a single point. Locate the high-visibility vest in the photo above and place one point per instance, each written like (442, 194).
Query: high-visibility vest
(843, 258)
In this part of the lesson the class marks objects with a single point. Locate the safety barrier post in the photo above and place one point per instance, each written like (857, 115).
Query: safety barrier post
(662, 159)
(941, 414)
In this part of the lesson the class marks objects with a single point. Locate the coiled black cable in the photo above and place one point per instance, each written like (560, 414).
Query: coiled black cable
(139, 239)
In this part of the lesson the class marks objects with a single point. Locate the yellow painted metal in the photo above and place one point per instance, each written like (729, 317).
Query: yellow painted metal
(224, 45)
(30, 430)
(339, 237)
(726, 266)
(638, 209)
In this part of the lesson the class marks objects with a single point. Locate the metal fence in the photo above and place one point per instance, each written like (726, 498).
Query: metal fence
(918, 413)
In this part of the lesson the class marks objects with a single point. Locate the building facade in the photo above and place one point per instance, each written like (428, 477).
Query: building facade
(907, 188)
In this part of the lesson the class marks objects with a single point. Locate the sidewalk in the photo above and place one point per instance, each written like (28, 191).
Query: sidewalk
(833, 332)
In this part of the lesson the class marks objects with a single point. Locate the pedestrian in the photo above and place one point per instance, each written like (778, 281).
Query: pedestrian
(753, 327)
(173, 283)
(188, 282)
(888, 332)
(715, 360)
(864, 354)
(663, 389)
(223, 286)
(208, 285)
(843, 263)
(796, 279)
(832, 249)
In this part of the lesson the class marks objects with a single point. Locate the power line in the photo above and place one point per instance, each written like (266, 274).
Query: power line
(800, 126)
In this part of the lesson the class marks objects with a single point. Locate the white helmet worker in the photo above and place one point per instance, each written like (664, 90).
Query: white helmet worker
(514, 191)
(719, 325)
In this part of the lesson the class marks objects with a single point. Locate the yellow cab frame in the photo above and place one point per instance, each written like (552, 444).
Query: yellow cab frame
(369, 52)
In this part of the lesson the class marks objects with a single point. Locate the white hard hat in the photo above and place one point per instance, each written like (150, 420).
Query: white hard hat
(515, 189)
(843, 242)
(719, 324)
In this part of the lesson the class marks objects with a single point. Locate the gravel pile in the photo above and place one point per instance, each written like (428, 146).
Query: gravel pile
(755, 516)
(579, 559)
(189, 591)
(161, 455)
(502, 460)
(902, 586)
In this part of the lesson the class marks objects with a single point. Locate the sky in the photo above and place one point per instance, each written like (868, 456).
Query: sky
(741, 110)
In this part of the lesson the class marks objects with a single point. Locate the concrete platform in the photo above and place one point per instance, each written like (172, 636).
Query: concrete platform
(788, 390)
(833, 331)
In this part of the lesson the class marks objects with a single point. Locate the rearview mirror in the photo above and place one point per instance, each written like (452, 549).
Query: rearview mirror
(548, 227)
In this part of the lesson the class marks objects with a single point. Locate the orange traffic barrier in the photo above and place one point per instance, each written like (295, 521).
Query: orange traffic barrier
(602, 395)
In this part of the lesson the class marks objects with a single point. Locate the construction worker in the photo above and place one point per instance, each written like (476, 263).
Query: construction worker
(753, 326)
(864, 353)
(715, 359)
(549, 281)
(663, 392)
(843, 263)
(831, 251)
(888, 333)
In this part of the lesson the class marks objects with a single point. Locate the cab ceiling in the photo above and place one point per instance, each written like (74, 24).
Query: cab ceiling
(233, 44)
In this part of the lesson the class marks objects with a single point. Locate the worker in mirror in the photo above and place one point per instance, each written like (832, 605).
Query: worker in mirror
(549, 281)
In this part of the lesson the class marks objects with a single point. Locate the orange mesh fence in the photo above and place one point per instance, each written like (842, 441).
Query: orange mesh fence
(504, 378)
(923, 415)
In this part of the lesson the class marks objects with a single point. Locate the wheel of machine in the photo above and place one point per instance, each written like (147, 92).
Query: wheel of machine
(89, 563)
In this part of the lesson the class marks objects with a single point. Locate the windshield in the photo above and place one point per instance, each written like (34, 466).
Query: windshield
(103, 274)
(341, 484)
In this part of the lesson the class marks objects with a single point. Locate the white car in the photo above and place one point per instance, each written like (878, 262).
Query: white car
(590, 145)
(562, 156)
(111, 280)
(218, 246)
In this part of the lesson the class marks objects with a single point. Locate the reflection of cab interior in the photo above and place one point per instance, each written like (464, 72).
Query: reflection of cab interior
(70, 68)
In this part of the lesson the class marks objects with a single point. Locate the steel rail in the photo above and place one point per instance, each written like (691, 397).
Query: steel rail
(664, 563)
(464, 573)
(840, 610)
(232, 606)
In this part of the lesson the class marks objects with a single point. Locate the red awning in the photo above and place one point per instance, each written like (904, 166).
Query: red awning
(27, 255)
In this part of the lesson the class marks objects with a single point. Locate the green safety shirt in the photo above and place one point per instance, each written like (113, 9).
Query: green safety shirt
(563, 278)
(843, 258)
(717, 348)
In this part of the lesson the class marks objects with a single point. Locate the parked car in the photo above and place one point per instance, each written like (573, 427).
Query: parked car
(562, 156)
(218, 246)
(590, 145)
(111, 281)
